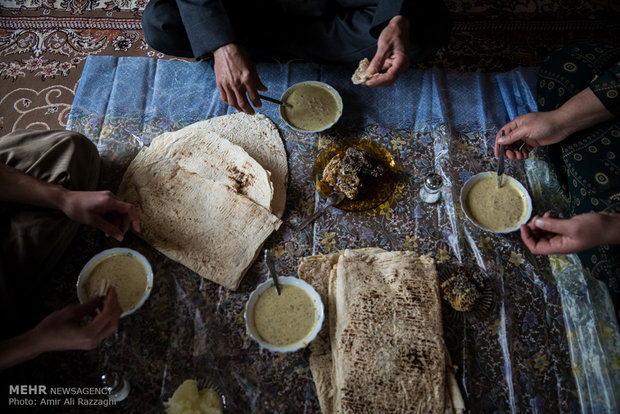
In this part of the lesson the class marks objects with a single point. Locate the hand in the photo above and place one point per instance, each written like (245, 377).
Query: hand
(235, 75)
(534, 129)
(101, 209)
(547, 235)
(64, 329)
(392, 57)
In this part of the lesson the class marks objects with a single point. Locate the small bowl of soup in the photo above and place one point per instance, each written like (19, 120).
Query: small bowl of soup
(125, 269)
(498, 210)
(312, 106)
(286, 322)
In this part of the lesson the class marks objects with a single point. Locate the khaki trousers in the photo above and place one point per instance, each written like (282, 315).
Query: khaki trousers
(33, 239)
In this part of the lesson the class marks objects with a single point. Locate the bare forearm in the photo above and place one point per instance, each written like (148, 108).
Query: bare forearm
(16, 350)
(582, 111)
(18, 187)
(611, 228)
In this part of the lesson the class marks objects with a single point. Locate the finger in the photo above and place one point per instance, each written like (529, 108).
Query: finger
(376, 63)
(511, 134)
(111, 305)
(384, 79)
(88, 307)
(510, 154)
(243, 102)
(108, 228)
(230, 96)
(111, 311)
(552, 225)
(528, 237)
(133, 217)
(223, 95)
(531, 224)
(261, 87)
(254, 98)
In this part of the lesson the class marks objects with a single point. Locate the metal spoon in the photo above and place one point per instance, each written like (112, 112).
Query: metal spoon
(500, 164)
(277, 101)
(332, 200)
(272, 269)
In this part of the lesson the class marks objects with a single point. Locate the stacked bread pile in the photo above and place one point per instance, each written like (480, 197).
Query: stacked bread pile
(208, 195)
(383, 349)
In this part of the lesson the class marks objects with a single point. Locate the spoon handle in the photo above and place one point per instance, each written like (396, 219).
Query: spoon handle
(312, 217)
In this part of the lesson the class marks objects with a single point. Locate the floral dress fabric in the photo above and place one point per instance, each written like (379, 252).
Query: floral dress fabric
(587, 161)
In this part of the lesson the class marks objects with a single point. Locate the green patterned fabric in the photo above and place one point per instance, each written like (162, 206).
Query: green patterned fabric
(587, 163)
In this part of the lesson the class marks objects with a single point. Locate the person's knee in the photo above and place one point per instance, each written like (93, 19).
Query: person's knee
(163, 28)
(83, 167)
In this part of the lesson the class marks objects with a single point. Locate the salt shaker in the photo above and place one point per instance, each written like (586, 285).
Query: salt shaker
(116, 385)
(431, 190)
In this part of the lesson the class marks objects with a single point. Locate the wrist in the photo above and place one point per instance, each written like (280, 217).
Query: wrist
(400, 21)
(561, 124)
(226, 50)
(611, 227)
(59, 198)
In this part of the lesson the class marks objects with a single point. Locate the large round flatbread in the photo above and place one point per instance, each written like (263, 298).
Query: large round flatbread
(202, 201)
(260, 138)
(211, 157)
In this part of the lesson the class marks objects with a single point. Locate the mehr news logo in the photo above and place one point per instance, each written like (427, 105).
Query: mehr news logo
(41, 395)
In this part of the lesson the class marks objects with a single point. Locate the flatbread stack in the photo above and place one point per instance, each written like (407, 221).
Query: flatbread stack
(383, 348)
(208, 195)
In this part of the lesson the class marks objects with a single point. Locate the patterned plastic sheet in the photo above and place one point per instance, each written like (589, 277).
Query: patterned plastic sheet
(548, 343)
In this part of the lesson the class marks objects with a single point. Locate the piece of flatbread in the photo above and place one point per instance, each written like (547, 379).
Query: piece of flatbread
(315, 270)
(360, 76)
(391, 291)
(203, 202)
(212, 157)
(386, 338)
(260, 138)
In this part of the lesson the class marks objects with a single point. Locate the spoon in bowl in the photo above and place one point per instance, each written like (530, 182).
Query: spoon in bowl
(273, 100)
(333, 199)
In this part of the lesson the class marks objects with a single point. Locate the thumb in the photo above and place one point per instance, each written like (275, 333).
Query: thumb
(510, 137)
(88, 307)
(552, 225)
(108, 228)
(376, 64)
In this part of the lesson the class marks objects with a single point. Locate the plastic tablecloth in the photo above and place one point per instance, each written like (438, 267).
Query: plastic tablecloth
(549, 342)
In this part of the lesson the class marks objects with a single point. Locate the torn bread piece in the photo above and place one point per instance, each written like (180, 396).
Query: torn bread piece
(360, 76)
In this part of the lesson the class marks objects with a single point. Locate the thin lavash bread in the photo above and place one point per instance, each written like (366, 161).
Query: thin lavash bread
(202, 201)
(386, 351)
(387, 339)
(247, 131)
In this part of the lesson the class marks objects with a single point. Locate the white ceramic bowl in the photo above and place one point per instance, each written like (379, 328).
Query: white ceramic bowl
(509, 179)
(82, 295)
(334, 93)
(318, 316)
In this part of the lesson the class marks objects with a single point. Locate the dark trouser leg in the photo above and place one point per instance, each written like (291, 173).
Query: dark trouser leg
(163, 28)
(588, 160)
(341, 36)
(33, 239)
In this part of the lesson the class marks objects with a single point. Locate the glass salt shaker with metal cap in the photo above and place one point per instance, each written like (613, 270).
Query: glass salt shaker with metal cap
(431, 188)
(116, 386)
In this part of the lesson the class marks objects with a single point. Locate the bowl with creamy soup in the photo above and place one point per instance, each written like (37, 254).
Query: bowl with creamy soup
(286, 322)
(125, 269)
(498, 210)
(312, 106)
